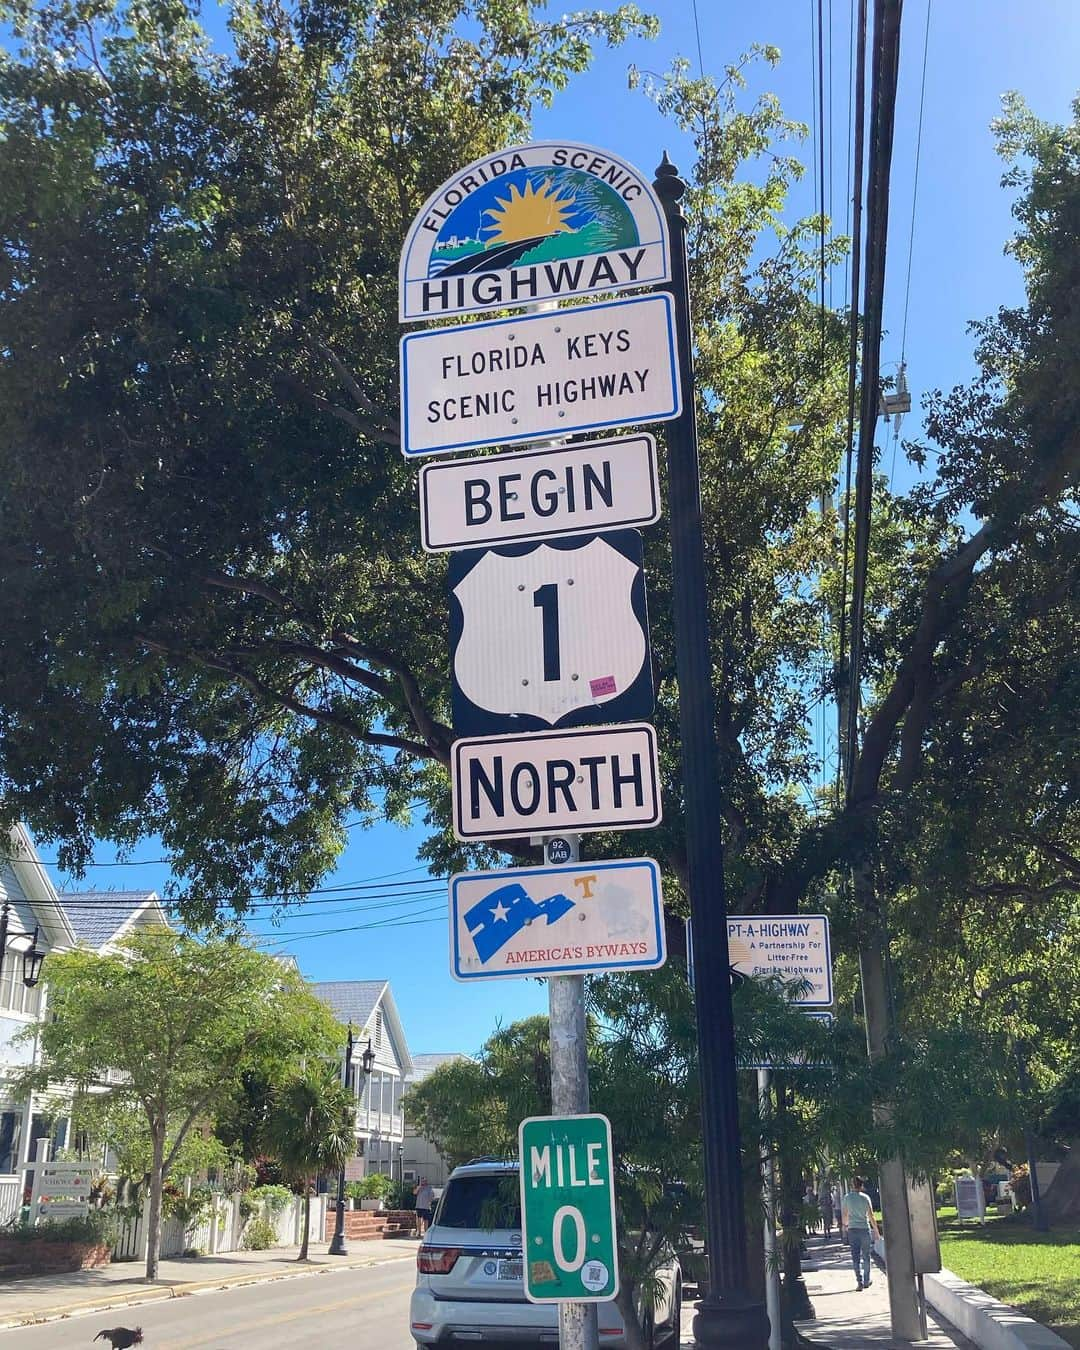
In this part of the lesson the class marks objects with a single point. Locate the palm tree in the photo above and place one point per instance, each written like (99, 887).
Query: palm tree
(310, 1130)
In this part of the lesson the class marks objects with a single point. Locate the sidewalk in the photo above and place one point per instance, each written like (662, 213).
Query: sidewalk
(46, 1298)
(849, 1320)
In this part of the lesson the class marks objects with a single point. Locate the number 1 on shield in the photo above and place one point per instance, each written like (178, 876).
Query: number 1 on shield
(546, 599)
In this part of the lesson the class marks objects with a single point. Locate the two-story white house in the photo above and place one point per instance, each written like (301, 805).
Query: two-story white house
(369, 1005)
(96, 919)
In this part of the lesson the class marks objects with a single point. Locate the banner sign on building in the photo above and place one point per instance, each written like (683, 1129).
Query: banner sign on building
(559, 491)
(550, 634)
(539, 375)
(787, 946)
(545, 221)
(596, 778)
(586, 916)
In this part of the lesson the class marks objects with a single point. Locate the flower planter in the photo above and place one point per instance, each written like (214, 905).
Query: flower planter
(371, 1206)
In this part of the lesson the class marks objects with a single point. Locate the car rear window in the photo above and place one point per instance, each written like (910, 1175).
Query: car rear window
(481, 1202)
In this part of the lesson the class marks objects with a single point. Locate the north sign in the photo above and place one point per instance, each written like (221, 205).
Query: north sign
(597, 916)
(539, 375)
(551, 634)
(539, 494)
(537, 222)
(568, 1235)
(604, 778)
(791, 947)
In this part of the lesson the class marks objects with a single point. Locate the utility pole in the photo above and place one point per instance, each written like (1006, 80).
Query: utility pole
(729, 1316)
(570, 1095)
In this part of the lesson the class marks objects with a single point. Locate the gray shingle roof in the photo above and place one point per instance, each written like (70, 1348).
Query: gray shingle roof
(425, 1064)
(97, 915)
(351, 1000)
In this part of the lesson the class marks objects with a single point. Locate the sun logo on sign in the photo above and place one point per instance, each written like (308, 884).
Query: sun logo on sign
(531, 213)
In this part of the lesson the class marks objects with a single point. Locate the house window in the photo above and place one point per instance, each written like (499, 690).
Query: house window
(14, 995)
(10, 1129)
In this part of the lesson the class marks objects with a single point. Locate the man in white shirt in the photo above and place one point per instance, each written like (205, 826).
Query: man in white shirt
(861, 1228)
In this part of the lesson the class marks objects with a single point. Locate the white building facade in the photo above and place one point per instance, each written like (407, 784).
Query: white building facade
(369, 1006)
(62, 921)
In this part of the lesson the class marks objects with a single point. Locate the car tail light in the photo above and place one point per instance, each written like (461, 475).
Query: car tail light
(437, 1260)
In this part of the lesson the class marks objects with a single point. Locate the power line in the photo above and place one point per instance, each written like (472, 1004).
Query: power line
(915, 187)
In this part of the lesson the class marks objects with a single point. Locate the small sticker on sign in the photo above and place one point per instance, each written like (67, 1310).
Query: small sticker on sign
(542, 1272)
(604, 685)
(594, 1276)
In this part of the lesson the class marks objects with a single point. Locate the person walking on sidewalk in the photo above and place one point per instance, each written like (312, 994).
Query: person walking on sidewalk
(858, 1214)
(425, 1194)
(825, 1204)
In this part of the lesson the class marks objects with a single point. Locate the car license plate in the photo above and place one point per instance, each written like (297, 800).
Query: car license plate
(509, 1270)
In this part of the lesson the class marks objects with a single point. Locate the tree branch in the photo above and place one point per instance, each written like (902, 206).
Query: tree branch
(325, 715)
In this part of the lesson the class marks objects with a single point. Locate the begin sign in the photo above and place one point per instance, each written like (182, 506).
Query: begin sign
(561, 491)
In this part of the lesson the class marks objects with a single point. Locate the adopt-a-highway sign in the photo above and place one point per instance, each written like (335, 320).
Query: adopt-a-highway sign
(790, 947)
(582, 916)
(568, 1238)
(539, 375)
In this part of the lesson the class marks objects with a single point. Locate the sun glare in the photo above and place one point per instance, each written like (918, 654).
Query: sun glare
(530, 214)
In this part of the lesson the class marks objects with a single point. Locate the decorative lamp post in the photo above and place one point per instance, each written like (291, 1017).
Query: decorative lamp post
(32, 957)
(367, 1063)
(401, 1164)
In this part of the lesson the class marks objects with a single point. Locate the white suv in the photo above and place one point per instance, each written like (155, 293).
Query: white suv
(469, 1284)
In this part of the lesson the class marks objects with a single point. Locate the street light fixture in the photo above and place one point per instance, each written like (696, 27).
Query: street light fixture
(367, 1063)
(32, 957)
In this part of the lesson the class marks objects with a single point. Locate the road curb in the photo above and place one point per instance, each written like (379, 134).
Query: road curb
(162, 1294)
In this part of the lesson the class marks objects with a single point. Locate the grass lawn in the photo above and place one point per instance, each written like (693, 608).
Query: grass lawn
(1038, 1273)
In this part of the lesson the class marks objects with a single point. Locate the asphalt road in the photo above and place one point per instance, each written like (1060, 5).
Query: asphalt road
(362, 1309)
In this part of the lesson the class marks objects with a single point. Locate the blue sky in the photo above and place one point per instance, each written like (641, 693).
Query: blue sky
(975, 53)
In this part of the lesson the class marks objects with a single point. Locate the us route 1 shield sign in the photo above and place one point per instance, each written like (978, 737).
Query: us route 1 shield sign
(568, 1235)
(553, 374)
(551, 634)
(596, 778)
(556, 920)
(789, 946)
(559, 491)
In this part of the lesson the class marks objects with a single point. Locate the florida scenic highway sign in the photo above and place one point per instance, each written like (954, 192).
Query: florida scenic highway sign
(544, 221)
(557, 491)
(596, 778)
(556, 920)
(550, 634)
(539, 375)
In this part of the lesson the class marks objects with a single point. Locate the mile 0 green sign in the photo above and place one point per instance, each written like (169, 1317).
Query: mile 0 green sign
(568, 1209)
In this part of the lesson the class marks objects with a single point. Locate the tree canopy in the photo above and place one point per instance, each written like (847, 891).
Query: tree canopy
(165, 1025)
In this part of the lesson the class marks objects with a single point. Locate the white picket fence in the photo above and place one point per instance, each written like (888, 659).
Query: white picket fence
(10, 1199)
(221, 1231)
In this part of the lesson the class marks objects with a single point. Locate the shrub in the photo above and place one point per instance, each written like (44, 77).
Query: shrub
(275, 1198)
(259, 1236)
(375, 1186)
(98, 1228)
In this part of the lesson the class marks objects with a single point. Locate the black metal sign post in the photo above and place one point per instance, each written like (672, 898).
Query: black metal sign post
(730, 1316)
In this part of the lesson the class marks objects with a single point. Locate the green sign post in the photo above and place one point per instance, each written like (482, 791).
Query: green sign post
(568, 1209)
